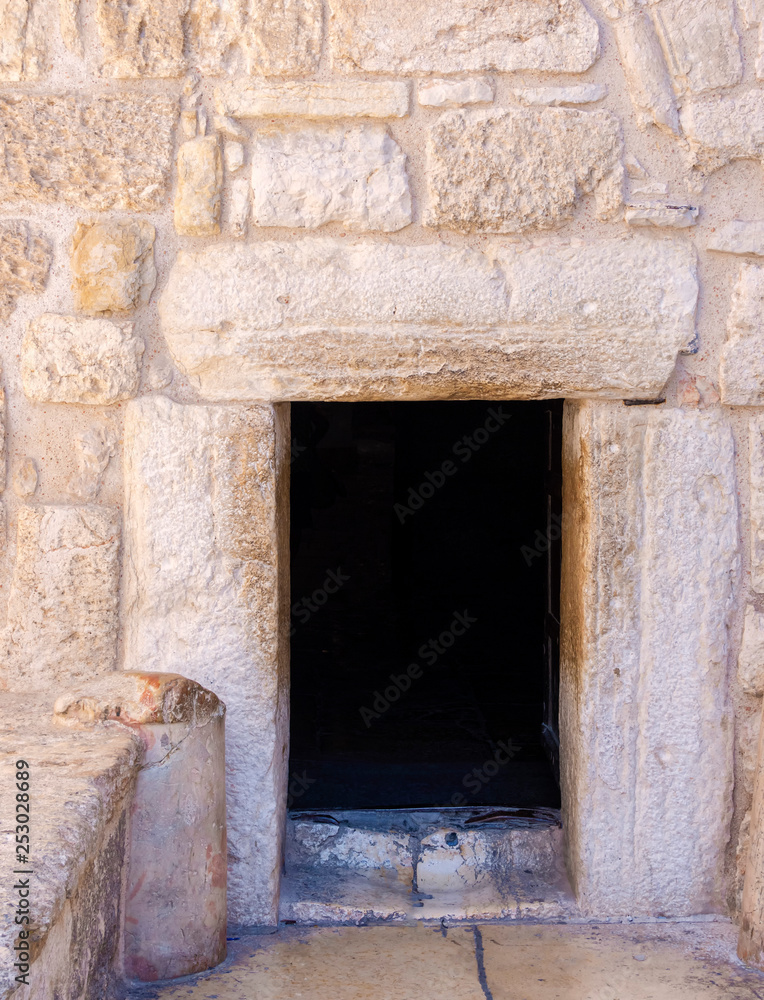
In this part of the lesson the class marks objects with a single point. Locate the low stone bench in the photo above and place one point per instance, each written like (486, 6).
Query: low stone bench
(128, 836)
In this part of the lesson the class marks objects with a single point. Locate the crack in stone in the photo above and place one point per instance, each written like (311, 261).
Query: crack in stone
(480, 959)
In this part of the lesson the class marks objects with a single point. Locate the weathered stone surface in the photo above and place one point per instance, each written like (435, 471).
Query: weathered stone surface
(644, 67)
(68, 19)
(98, 153)
(113, 265)
(508, 171)
(62, 608)
(239, 206)
(162, 38)
(359, 99)
(306, 177)
(22, 41)
(756, 456)
(94, 449)
(750, 661)
(661, 215)
(645, 727)
(233, 156)
(455, 93)
(321, 319)
(397, 36)
(25, 478)
(738, 237)
(723, 129)
(751, 939)
(200, 182)
(25, 259)
(207, 594)
(582, 93)
(69, 360)
(701, 43)
(143, 38)
(81, 784)
(741, 372)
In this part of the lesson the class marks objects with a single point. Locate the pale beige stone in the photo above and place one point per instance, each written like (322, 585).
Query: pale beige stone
(207, 568)
(356, 99)
(661, 215)
(582, 93)
(94, 449)
(751, 940)
(62, 607)
(239, 206)
(69, 360)
(68, 16)
(25, 478)
(322, 319)
(98, 153)
(233, 156)
(750, 661)
(741, 372)
(649, 188)
(398, 36)
(25, 258)
(508, 171)
(22, 41)
(455, 93)
(306, 177)
(756, 457)
(200, 182)
(701, 43)
(142, 38)
(647, 76)
(739, 237)
(113, 265)
(650, 566)
(723, 129)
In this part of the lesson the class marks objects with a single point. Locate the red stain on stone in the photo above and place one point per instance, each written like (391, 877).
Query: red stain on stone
(216, 869)
(138, 886)
(138, 967)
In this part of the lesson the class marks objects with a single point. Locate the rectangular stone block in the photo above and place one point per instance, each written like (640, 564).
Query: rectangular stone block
(322, 319)
(22, 41)
(207, 595)
(741, 371)
(62, 607)
(650, 560)
(306, 177)
(645, 70)
(66, 359)
(507, 171)
(701, 43)
(398, 36)
(552, 97)
(25, 258)
(723, 129)
(359, 99)
(756, 457)
(98, 153)
(455, 93)
(200, 183)
(113, 265)
(738, 237)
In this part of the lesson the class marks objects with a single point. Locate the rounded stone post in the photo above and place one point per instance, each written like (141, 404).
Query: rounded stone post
(175, 901)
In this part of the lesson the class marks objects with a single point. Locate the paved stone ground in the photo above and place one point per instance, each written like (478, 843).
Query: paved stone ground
(686, 961)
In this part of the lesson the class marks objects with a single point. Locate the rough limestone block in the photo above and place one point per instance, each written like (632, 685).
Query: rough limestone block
(97, 153)
(25, 259)
(143, 38)
(359, 99)
(750, 661)
(239, 206)
(741, 373)
(647, 76)
(207, 593)
(68, 20)
(582, 93)
(723, 129)
(701, 43)
(113, 265)
(22, 41)
(650, 562)
(738, 237)
(398, 36)
(661, 215)
(508, 171)
(200, 182)
(25, 478)
(323, 319)
(756, 456)
(175, 901)
(62, 607)
(65, 359)
(455, 93)
(306, 177)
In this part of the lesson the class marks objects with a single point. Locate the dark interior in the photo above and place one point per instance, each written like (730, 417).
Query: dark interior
(425, 553)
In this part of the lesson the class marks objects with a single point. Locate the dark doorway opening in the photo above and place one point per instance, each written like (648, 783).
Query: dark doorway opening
(425, 604)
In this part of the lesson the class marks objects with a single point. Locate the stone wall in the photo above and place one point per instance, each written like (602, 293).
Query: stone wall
(209, 208)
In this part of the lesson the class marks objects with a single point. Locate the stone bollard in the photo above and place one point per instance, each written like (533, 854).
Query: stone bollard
(175, 899)
(750, 945)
